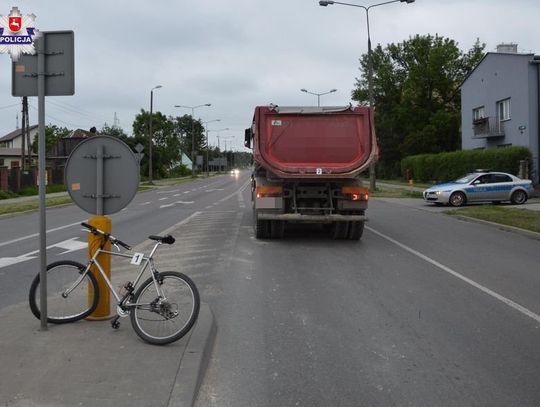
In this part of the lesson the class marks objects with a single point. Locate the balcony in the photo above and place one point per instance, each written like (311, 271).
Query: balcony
(487, 127)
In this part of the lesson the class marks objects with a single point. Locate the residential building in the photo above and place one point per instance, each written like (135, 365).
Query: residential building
(11, 147)
(500, 103)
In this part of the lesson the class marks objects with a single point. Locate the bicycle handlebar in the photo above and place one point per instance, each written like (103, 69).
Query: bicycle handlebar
(107, 236)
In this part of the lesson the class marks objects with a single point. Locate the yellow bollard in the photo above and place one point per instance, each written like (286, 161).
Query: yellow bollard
(103, 310)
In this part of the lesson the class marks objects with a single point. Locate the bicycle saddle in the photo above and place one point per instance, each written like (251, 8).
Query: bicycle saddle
(163, 239)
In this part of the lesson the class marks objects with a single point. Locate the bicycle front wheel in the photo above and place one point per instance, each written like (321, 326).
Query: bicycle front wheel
(166, 310)
(68, 297)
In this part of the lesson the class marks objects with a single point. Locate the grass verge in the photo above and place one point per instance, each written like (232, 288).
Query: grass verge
(519, 218)
(30, 206)
(57, 201)
(382, 192)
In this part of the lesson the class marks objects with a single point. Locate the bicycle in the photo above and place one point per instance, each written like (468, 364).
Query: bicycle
(162, 309)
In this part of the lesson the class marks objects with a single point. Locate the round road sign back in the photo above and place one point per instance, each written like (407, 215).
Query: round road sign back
(102, 175)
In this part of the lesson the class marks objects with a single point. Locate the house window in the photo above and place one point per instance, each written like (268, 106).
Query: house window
(1, 162)
(478, 114)
(503, 110)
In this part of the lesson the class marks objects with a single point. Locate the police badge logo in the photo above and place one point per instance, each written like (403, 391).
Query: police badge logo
(17, 34)
(15, 23)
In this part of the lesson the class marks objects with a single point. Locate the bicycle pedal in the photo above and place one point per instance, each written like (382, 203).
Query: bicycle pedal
(114, 323)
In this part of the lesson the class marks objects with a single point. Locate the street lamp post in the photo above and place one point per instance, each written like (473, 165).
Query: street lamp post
(193, 133)
(324, 3)
(318, 94)
(150, 135)
(226, 160)
(218, 131)
(206, 131)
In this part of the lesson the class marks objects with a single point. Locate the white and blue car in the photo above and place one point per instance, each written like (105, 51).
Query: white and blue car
(481, 186)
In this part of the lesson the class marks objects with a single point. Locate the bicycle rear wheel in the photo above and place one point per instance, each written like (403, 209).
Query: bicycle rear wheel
(68, 298)
(164, 319)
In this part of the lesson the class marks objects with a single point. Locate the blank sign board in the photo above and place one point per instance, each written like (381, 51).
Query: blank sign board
(59, 67)
(120, 174)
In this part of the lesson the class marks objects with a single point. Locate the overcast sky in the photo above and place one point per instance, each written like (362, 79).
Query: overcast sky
(237, 54)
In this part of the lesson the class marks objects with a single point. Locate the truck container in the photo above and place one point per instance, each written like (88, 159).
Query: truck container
(307, 162)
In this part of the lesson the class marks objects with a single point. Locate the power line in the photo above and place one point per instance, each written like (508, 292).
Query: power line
(61, 121)
(8, 106)
(67, 109)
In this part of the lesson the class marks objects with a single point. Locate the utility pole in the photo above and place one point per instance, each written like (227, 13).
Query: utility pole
(25, 134)
(28, 141)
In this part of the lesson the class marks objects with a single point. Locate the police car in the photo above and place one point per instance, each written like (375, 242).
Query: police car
(481, 186)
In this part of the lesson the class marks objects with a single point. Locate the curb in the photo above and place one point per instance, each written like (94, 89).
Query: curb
(195, 360)
(527, 233)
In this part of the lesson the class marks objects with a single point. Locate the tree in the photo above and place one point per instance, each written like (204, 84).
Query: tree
(166, 143)
(53, 134)
(114, 131)
(184, 127)
(417, 96)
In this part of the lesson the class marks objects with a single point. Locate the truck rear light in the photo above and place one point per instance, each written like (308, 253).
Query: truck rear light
(269, 191)
(355, 193)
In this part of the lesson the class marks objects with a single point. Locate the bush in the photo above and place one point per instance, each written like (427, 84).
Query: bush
(180, 171)
(29, 191)
(449, 166)
(7, 195)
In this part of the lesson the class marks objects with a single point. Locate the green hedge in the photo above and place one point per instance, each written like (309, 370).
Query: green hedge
(450, 166)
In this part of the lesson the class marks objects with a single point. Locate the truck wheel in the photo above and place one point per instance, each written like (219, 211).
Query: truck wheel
(261, 229)
(277, 229)
(340, 230)
(356, 229)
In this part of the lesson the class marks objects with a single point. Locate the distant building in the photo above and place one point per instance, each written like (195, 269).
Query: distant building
(500, 103)
(11, 147)
(59, 153)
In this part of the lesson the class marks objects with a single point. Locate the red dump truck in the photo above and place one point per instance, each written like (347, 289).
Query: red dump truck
(306, 166)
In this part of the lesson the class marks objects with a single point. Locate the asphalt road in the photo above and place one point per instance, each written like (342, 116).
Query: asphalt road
(426, 310)
(150, 212)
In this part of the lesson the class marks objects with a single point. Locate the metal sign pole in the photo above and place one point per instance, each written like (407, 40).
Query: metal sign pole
(99, 181)
(40, 48)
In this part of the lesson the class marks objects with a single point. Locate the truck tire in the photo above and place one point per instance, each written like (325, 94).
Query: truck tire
(261, 227)
(356, 229)
(340, 230)
(277, 229)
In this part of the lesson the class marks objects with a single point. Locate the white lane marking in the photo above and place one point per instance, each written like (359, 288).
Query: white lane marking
(239, 190)
(187, 192)
(177, 202)
(145, 203)
(9, 261)
(214, 189)
(177, 194)
(70, 245)
(162, 199)
(467, 280)
(167, 192)
(37, 234)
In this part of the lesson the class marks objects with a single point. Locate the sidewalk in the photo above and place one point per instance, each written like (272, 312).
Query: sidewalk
(90, 364)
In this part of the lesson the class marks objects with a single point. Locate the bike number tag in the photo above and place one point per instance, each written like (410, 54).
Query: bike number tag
(137, 258)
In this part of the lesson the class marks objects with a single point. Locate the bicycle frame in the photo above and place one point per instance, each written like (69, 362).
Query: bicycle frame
(148, 260)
